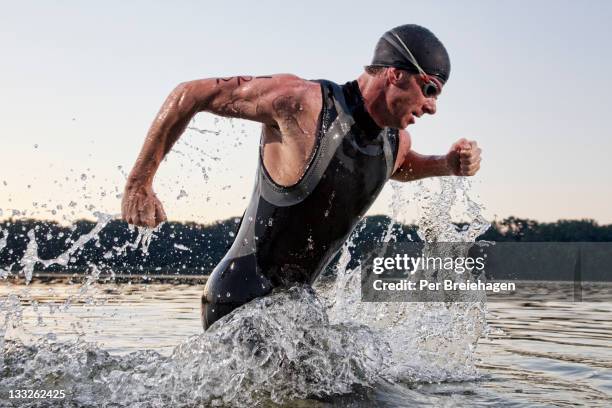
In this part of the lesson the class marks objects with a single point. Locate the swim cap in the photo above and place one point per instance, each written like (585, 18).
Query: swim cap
(428, 51)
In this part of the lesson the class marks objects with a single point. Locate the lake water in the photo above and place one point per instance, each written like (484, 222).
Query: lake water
(535, 354)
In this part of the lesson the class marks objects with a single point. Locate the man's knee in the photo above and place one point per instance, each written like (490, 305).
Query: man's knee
(234, 282)
(211, 311)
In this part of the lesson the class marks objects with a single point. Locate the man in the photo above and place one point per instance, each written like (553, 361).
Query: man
(326, 152)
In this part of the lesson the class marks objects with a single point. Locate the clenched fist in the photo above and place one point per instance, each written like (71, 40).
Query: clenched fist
(140, 206)
(463, 159)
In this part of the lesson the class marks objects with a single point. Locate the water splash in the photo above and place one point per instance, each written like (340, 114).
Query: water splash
(11, 308)
(4, 238)
(279, 348)
(436, 219)
(143, 240)
(430, 342)
(291, 345)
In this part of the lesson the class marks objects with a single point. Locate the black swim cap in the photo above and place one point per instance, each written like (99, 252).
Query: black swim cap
(428, 51)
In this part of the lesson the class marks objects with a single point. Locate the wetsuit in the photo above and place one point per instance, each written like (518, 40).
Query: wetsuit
(289, 234)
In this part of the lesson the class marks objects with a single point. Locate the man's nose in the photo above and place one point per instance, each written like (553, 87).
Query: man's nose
(429, 106)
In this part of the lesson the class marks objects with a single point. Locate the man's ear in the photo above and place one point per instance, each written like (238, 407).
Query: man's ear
(397, 77)
(393, 75)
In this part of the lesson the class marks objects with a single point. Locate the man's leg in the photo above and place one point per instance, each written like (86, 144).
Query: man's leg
(211, 312)
(234, 282)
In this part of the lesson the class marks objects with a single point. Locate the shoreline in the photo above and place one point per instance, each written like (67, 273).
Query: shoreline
(76, 278)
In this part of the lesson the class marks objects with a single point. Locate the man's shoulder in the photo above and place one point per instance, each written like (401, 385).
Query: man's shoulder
(296, 95)
(292, 81)
(289, 86)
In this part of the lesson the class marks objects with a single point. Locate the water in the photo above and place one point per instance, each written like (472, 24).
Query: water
(536, 354)
(133, 345)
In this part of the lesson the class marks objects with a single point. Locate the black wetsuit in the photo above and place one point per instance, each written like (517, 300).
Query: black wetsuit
(289, 234)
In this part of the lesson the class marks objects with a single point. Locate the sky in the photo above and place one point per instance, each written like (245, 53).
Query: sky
(82, 81)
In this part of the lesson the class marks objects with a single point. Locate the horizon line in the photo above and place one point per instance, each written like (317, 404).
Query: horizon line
(220, 220)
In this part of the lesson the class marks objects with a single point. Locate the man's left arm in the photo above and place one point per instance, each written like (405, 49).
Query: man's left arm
(463, 159)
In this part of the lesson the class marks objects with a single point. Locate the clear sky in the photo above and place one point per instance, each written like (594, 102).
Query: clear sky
(81, 82)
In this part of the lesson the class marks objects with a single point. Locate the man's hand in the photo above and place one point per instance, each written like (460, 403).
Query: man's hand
(140, 206)
(463, 159)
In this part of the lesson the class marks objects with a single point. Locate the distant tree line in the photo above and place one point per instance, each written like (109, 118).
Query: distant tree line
(514, 229)
(190, 248)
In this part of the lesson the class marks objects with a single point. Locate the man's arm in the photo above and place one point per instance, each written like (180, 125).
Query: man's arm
(463, 159)
(268, 100)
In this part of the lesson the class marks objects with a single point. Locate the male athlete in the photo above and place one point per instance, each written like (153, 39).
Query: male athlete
(326, 152)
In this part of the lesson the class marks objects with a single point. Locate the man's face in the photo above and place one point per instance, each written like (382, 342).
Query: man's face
(406, 100)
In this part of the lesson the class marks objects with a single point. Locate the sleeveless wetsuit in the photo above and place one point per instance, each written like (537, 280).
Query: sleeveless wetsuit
(289, 234)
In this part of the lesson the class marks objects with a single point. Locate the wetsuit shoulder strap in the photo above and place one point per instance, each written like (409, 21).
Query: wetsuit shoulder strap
(390, 147)
(331, 136)
(334, 95)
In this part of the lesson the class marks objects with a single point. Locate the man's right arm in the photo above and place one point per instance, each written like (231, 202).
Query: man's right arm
(262, 99)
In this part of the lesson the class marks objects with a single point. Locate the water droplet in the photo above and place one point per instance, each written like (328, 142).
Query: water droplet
(182, 194)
